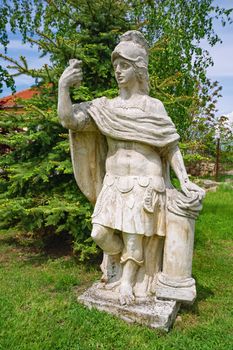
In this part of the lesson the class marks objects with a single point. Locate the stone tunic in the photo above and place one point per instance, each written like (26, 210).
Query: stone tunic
(132, 204)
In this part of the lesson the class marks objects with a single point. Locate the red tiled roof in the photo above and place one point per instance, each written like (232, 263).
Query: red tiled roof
(11, 100)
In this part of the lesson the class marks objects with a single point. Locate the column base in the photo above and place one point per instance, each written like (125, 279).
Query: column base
(180, 290)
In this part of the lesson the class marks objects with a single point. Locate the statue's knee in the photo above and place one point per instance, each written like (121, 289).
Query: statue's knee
(98, 233)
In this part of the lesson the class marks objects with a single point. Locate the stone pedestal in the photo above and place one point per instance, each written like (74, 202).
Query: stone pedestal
(153, 313)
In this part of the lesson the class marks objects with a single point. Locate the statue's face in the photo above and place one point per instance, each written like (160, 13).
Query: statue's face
(124, 72)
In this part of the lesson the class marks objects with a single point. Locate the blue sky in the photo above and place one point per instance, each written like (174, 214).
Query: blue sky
(222, 55)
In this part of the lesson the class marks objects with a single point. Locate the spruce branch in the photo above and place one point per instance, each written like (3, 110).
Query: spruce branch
(37, 42)
(37, 109)
(66, 13)
(9, 59)
(45, 36)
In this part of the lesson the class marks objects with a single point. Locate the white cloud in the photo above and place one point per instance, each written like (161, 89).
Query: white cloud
(15, 44)
(230, 117)
(24, 80)
(15, 50)
(32, 58)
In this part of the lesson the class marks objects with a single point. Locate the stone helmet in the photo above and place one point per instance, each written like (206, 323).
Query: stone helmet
(134, 48)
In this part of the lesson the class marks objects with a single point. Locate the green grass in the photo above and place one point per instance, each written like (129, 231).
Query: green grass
(39, 311)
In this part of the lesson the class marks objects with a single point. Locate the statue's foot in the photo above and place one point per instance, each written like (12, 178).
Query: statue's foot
(126, 294)
(112, 285)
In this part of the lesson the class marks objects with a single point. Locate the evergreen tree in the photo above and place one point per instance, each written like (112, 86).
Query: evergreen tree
(37, 189)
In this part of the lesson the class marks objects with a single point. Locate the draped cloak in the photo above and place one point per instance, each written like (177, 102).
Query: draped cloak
(146, 122)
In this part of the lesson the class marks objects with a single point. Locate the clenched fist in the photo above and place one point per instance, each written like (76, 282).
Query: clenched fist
(72, 75)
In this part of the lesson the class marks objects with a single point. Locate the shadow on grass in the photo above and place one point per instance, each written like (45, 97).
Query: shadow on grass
(52, 246)
(203, 293)
(37, 251)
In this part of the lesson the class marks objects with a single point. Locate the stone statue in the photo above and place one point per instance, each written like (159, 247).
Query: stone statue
(122, 149)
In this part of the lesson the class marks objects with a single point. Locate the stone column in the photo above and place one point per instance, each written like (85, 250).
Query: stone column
(175, 280)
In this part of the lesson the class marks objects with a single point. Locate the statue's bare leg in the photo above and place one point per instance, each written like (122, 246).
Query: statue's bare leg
(131, 259)
(112, 245)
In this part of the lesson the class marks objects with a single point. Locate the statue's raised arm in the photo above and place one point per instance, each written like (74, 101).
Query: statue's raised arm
(72, 76)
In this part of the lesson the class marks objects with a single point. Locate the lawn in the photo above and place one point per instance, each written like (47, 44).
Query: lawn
(38, 291)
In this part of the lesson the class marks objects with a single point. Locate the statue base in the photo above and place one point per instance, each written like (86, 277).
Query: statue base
(151, 312)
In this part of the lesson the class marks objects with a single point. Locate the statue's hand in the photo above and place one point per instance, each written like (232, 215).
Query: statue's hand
(72, 75)
(188, 187)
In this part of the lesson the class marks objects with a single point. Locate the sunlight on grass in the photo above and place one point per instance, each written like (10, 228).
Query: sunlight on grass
(38, 293)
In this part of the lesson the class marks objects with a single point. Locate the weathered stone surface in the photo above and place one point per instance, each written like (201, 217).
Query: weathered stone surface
(182, 295)
(150, 312)
(122, 149)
